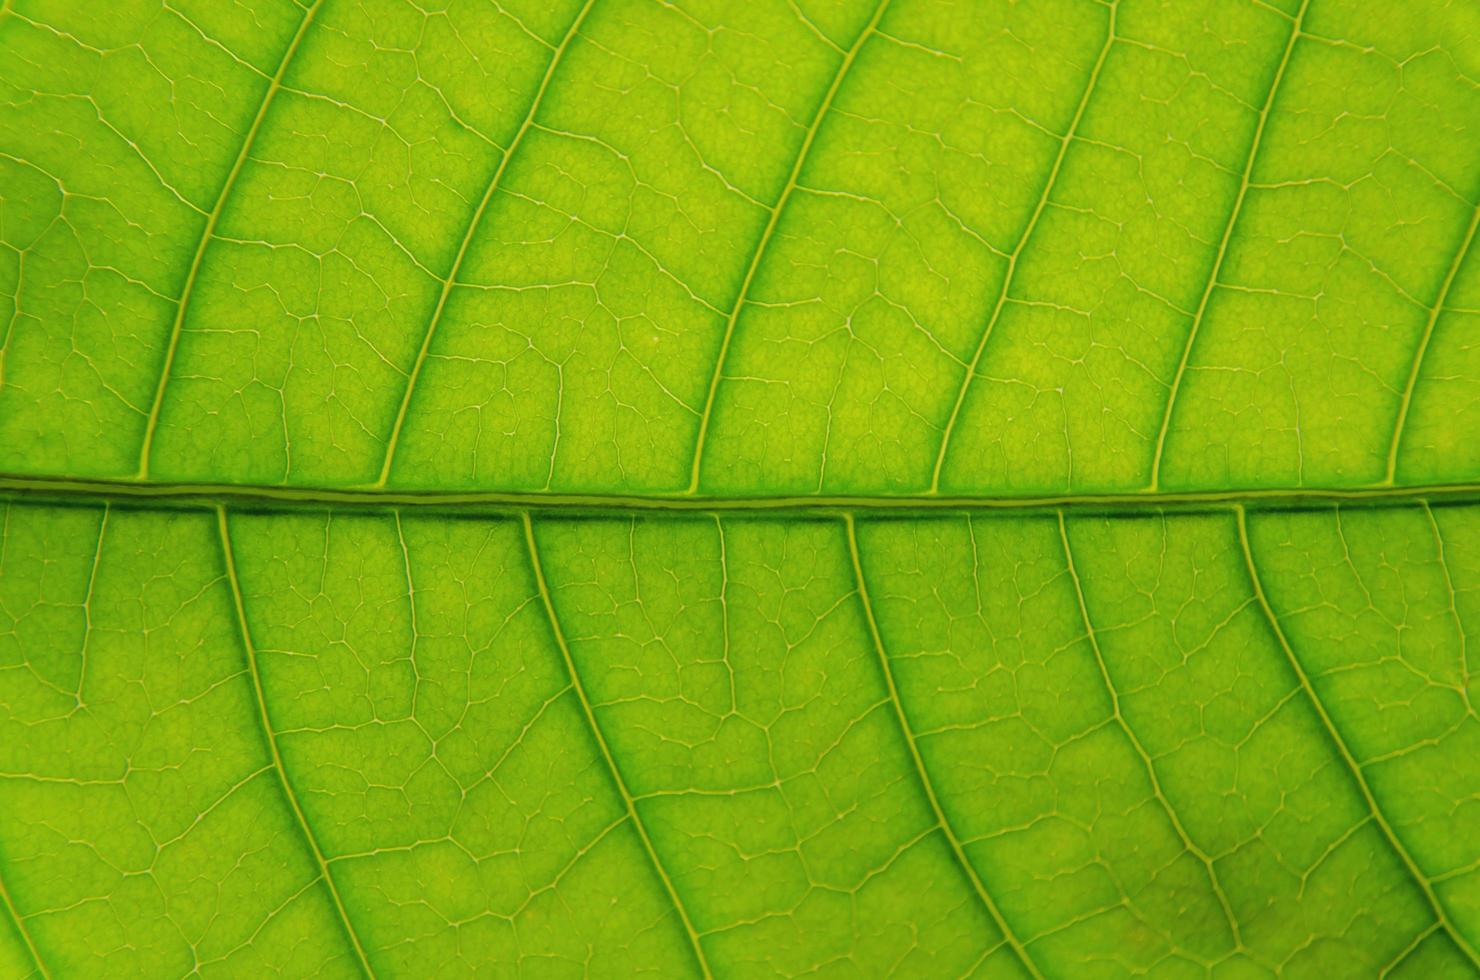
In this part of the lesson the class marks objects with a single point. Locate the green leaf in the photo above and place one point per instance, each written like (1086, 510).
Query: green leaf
(791, 487)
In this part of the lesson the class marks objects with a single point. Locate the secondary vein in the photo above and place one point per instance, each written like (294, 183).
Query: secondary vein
(1401, 425)
(1017, 250)
(611, 763)
(1166, 804)
(270, 736)
(1222, 253)
(209, 232)
(760, 249)
(468, 234)
(20, 927)
(921, 772)
(1353, 767)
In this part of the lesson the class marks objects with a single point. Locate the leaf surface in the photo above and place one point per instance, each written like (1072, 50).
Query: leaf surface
(809, 487)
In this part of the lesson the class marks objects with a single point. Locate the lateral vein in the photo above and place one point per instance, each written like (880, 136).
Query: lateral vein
(1352, 766)
(468, 234)
(772, 222)
(208, 232)
(1401, 425)
(272, 745)
(606, 754)
(921, 772)
(1017, 250)
(1166, 804)
(20, 928)
(1222, 253)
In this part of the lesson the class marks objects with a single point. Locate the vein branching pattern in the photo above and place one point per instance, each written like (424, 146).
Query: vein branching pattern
(836, 488)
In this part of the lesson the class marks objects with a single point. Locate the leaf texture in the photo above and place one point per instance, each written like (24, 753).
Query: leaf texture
(797, 487)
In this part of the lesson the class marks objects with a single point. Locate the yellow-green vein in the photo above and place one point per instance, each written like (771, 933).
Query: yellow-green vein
(1017, 250)
(921, 773)
(606, 753)
(1355, 769)
(1423, 345)
(469, 233)
(1130, 734)
(269, 735)
(20, 928)
(182, 306)
(1222, 253)
(770, 230)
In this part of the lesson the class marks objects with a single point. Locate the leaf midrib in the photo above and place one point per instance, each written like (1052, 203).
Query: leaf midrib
(277, 497)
